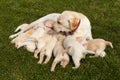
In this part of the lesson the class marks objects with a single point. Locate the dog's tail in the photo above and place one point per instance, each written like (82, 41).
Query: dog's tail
(21, 27)
(109, 43)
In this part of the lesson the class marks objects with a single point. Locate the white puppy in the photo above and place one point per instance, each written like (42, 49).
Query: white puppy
(29, 41)
(60, 53)
(30, 45)
(52, 16)
(22, 37)
(76, 50)
(98, 46)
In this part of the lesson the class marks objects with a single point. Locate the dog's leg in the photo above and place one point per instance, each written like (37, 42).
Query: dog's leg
(14, 35)
(47, 59)
(13, 41)
(103, 54)
(21, 27)
(76, 62)
(65, 61)
(89, 37)
(42, 54)
(97, 54)
(36, 53)
(48, 54)
(55, 62)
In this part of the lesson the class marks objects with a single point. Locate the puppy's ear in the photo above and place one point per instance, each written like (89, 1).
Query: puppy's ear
(74, 23)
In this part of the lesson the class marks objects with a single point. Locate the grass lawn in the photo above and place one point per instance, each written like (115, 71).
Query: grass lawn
(21, 65)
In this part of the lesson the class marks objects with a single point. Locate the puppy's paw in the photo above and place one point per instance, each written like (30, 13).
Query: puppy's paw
(61, 63)
(45, 62)
(39, 62)
(52, 70)
(91, 56)
(35, 56)
(74, 67)
(12, 36)
(63, 66)
(13, 41)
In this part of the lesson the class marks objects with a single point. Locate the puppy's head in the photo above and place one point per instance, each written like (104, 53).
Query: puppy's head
(68, 21)
(49, 24)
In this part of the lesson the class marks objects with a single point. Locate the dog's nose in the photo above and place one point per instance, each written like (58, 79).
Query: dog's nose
(52, 28)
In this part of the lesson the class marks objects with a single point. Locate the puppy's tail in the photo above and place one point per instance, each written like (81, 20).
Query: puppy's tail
(21, 27)
(109, 43)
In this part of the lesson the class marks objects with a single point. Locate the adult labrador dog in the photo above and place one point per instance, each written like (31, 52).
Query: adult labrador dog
(74, 23)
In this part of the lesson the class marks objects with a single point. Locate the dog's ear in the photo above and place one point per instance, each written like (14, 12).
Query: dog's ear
(74, 23)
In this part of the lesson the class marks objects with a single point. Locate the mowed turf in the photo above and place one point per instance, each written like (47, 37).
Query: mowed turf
(20, 64)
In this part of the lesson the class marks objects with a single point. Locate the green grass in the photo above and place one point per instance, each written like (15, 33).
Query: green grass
(21, 65)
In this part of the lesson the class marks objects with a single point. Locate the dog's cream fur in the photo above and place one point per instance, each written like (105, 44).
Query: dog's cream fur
(35, 33)
(68, 21)
(18, 41)
(45, 44)
(98, 46)
(76, 50)
(52, 16)
(30, 45)
(60, 53)
(44, 47)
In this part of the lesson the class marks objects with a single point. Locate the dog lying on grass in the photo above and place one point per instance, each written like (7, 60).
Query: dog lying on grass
(25, 27)
(19, 40)
(97, 46)
(38, 29)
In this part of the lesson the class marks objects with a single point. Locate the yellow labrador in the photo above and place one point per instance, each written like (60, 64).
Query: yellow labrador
(74, 23)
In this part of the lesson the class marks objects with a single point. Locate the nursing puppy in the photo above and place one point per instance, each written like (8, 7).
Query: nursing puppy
(47, 50)
(74, 23)
(37, 38)
(52, 16)
(60, 53)
(98, 46)
(22, 37)
(30, 45)
(45, 43)
(38, 31)
(76, 50)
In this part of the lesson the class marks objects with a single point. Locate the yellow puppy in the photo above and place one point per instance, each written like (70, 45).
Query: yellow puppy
(98, 46)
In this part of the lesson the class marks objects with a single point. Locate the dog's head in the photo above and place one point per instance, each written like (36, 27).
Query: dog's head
(68, 21)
